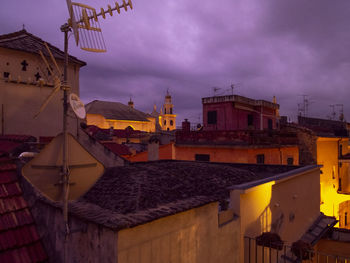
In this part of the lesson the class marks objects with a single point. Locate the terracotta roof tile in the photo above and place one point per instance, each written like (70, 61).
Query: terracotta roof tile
(119, 149)
(12, 189)
(19, 240)
(24, 217)
(8, 167)
(17, 138)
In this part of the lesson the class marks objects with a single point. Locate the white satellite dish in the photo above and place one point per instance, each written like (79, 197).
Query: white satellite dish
(77, 106)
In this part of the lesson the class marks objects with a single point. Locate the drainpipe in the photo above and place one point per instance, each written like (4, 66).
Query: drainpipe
(2, 120)
(339, 179)
(279, 148)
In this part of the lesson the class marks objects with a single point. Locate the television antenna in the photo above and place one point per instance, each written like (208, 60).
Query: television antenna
(83, 20)
(341, 111)
(215, 90)
(333, 114)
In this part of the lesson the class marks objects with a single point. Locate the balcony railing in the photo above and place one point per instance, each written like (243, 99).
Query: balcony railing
(254, 253)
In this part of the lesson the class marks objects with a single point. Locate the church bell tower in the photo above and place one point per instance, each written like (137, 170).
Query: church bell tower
(168, 118)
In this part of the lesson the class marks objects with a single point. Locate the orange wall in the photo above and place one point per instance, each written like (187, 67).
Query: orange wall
(165, 153)
(223, 154)
(238, 155)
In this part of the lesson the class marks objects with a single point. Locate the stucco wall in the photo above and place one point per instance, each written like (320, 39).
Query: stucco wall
(101, 122)
(327, 155)
(22, 101)
(87, 242)
(234, 116)
(238, 155)
(191, 236)
(278, 206)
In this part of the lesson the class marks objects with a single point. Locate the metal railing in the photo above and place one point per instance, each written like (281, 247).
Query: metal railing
(255, 253)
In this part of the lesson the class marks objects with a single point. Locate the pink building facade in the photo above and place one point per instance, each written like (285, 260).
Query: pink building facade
(235, 112)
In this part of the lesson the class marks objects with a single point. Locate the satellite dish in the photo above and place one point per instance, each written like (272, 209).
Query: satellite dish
(44, 171)
(77, 106)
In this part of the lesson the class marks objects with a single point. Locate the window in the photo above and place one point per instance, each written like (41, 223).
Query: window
(260, 159)
(250, 119)
(339, 186)
(171, 123)
(212, 117)
(290, 161)
(171, 110)
(340, 150)
(164, 110)
(269, 124)
(202, 157)
(164, 122)
(345, 219)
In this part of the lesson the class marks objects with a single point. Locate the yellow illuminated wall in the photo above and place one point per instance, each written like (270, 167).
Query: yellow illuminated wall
(279, 207)
(193, 236)
(99, 121)
(328, 156)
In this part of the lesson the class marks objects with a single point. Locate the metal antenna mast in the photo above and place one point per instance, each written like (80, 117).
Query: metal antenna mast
(332, 116)
(84, 23)
(341, 111)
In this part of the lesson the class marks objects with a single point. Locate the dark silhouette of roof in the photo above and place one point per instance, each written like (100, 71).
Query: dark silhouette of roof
(24, 41)
(323, 127)
(115, 111)
(19, 239)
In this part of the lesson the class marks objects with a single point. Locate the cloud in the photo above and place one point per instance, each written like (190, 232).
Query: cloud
(282, 48)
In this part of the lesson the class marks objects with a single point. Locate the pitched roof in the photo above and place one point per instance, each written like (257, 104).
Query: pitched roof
(24, 41)
(14, 144)
(141, 192)
(115, 111)
(119, 149)
(125, 133)
(19, 239)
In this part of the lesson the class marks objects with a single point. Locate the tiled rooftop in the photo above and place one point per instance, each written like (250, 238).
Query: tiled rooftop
(19, 239)
(115, 111)
(118, 149)
(24, 41)
(141, 192)
(14, 144)
(104, 133)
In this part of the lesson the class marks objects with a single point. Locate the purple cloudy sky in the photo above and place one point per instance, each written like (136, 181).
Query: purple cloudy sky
(285, 48)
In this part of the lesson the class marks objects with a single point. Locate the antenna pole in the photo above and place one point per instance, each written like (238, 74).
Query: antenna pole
(65, 170)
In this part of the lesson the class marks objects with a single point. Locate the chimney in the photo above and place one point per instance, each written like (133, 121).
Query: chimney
(186, 126)
(153, 149)
(111, 131)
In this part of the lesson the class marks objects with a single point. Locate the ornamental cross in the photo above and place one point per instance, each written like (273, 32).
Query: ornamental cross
(24, 65)
(37, 76)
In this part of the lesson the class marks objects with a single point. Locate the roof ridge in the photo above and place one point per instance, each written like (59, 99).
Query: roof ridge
(23, 34)
(13, 34)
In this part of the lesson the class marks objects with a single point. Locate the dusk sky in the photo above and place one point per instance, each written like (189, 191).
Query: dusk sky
(285, 48)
